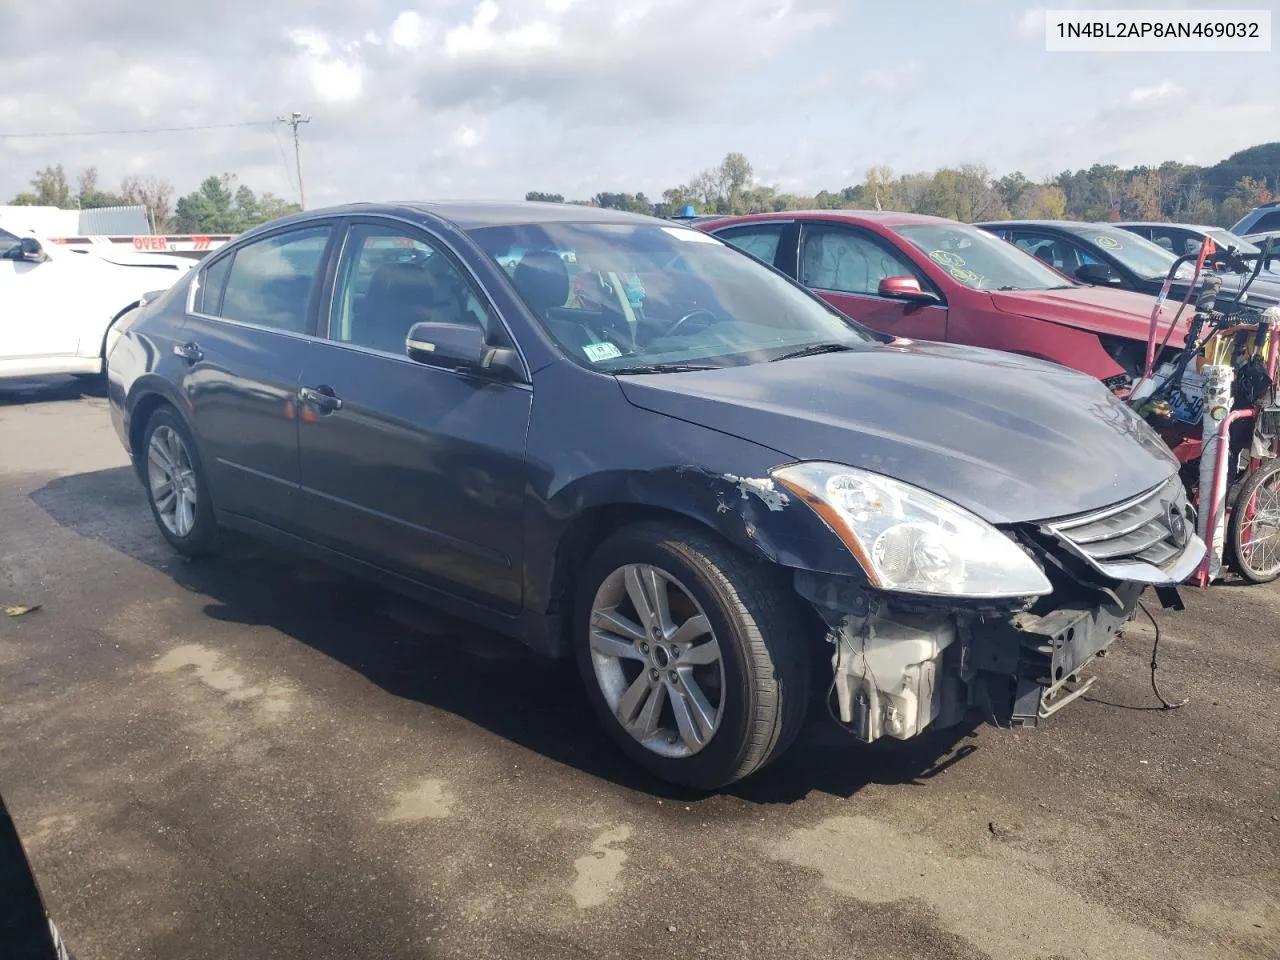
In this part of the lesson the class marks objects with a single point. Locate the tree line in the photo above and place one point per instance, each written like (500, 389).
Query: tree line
(218, 205)
(1217, 195)
(1220, 194)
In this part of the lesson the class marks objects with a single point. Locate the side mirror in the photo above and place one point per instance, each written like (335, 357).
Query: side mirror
(905, 288)
(29, 249)
(1095, 273)
(461, 346)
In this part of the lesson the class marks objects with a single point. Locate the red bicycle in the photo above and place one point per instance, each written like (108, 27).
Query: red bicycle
(1214, 401)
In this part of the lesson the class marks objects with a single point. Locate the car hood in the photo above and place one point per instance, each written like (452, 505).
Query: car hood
(1120, 313)
(1263, 292)
(1010, 438)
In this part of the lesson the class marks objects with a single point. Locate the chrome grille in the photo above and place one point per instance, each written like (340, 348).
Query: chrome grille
(1134, 531)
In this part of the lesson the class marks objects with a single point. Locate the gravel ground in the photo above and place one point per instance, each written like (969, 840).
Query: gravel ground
(250, 756)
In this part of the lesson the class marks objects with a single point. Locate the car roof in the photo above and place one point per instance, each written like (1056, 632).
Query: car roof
(886, 217)
(1202, 228)
(470, 214)
(1067, 226)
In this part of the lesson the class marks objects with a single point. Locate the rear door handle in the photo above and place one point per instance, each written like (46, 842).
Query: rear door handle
(322, 398)
(189, 351)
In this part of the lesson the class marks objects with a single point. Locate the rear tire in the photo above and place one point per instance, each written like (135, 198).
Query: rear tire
(705, 678)
(177, 486)
(1256, 554)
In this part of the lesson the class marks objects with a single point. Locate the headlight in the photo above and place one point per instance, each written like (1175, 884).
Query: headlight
(911, 541)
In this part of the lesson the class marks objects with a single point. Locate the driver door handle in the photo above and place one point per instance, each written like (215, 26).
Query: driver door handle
(189, 351)
(322, 398)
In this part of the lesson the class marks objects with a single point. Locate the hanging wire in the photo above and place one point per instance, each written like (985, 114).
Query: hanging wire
(1155, 647)
(112, 133)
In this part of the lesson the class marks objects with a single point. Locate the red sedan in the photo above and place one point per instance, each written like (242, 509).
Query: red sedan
(928, 278)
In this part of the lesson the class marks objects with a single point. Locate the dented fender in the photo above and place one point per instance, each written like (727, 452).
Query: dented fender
(720, 482)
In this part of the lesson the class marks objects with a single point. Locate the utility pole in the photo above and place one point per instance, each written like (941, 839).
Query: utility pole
(293, 120)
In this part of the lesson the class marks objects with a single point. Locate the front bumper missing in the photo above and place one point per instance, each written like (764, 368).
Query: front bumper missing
(897, 673)
(1027, 667)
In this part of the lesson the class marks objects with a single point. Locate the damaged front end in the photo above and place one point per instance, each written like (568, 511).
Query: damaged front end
(905, 663)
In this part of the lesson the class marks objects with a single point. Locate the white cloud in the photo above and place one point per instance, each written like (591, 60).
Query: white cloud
(334, 77)
(479, 36)
(409, 30)
(1164, 90)
(465, 137)
(897, 79)
(1031, 23)
(311, 40)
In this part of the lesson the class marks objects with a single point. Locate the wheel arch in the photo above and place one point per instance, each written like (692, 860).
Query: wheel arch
(777, 530)
(147, 396)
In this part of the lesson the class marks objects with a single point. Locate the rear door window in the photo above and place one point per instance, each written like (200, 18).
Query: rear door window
(1266, 223)
(270, 281)
(758, 239)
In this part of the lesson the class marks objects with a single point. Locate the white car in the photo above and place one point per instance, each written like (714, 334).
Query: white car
(57, 303)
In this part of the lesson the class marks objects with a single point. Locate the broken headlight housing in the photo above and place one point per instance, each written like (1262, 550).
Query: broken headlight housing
(911, 541)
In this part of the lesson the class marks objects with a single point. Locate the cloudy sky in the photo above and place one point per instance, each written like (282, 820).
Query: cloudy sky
(490, 98)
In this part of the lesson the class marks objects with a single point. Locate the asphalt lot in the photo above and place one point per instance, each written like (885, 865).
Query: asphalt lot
(249, 756)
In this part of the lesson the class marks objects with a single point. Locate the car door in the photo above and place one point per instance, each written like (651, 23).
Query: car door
(418, 469)
(245, 341)
(34, 317)
(844, 265)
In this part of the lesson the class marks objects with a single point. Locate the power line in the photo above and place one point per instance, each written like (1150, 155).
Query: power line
(112, 133)
(284, 160)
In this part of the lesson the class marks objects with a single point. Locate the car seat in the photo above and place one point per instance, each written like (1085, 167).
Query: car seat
(400, 295)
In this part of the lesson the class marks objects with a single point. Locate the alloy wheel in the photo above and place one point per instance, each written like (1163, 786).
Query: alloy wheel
(657, 660)
(171, 479)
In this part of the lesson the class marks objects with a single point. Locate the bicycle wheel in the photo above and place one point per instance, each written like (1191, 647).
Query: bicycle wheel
(1253, 532)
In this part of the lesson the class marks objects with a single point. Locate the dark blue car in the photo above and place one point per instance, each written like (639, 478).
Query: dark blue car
(620, 439)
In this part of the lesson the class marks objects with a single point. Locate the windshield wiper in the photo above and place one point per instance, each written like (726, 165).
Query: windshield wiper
(813, 350)
(663, 368)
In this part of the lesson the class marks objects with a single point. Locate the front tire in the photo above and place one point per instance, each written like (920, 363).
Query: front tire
(691, 654)
(177, 487)
(1253, 533)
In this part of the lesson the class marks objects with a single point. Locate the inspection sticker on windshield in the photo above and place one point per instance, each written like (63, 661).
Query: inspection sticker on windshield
(601, 351)
(689, 236)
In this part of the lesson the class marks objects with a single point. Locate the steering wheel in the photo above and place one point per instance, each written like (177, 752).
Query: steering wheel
(689, 316)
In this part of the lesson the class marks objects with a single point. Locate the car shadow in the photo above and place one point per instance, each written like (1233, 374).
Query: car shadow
(49, 390)
(421, 655)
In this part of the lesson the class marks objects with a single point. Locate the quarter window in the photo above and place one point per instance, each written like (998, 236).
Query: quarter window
(761, 241)
(269, 282)
(212, 283)
(389, 280)
(832, 258)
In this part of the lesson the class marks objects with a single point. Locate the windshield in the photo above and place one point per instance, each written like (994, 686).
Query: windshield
(1224, 239)
(1144, 257)
(621, 297)
(979, 260)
